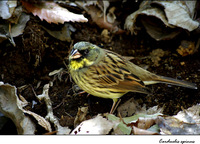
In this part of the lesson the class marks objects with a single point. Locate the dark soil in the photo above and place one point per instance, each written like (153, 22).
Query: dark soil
(37, 54)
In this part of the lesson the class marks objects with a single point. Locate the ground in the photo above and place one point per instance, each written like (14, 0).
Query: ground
(37, 54)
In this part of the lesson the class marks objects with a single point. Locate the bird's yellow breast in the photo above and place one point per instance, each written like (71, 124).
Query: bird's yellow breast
(75, 65)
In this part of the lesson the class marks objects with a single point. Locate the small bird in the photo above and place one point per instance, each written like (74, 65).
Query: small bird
(106, 74)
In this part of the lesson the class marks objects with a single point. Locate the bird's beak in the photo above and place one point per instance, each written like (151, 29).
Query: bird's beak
(75, 54)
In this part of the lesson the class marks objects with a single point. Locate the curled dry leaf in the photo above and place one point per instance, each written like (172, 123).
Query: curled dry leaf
(16, 112)
(102, 5)
(8, 31)
(111, 16)
(140, 123)
(7, 8)
(139, 131)
(97, 125)
(180, 14)
(190, 115)
(11, 107)
(185, 122)
(145, 123)
(16, 15)
(143, 119)
(144, 126)
(131, 107)
(41, 121)
(163, 20)
(173, 126)
(18, 28)
(146, 117)
(99, 17)
(15, 21)
(53, 13)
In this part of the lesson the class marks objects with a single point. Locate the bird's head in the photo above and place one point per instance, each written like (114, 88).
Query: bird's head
(83, 55)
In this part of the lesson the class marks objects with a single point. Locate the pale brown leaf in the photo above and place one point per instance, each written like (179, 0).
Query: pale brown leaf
(41, 121)
(138, 131)
(97, 125)
(145, 123)
(11, 107)
(53, 13)
(185, 122)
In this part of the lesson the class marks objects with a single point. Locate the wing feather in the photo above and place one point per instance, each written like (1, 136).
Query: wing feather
(112, 73)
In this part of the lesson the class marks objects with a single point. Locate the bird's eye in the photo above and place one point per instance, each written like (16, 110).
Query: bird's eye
(86, 51)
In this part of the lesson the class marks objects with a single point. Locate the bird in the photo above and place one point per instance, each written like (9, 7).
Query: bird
(106, 74)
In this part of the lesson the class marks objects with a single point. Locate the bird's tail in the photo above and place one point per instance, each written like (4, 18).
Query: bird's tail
(168, 80)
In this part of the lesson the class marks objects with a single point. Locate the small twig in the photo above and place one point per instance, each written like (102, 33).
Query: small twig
(45, 96)
(33, 90)
(59, 104)
(68, 114)
(51, 133)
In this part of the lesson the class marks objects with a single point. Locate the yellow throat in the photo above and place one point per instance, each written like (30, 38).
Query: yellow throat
(75, 65)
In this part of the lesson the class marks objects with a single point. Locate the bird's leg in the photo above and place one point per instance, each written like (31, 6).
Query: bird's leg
(114, 106)
(80, 93)
(88, 95)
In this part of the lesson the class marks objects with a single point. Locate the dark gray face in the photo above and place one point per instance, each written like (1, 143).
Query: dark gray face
(83, 50)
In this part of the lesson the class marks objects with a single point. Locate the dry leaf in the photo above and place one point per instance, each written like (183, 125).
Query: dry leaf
(141, 122)
(111, 16)
(98, 16)
(144, 123)
(163, 20)
(8, 31)
(7, 8)
(191, 115)
(11, 107)
(41, 121)
(184, 123)
(18, 28)
(131, 107)
(120, 127)
(139, 131)
(53, 13)
(180, 14)
(97, 125)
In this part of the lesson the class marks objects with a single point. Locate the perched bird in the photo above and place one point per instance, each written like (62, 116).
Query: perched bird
(106, 74)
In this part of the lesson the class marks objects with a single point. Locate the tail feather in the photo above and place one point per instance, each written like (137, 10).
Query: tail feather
(168, 80)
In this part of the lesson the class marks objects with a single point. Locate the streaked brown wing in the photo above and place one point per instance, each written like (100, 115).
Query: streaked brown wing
(112, 73)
